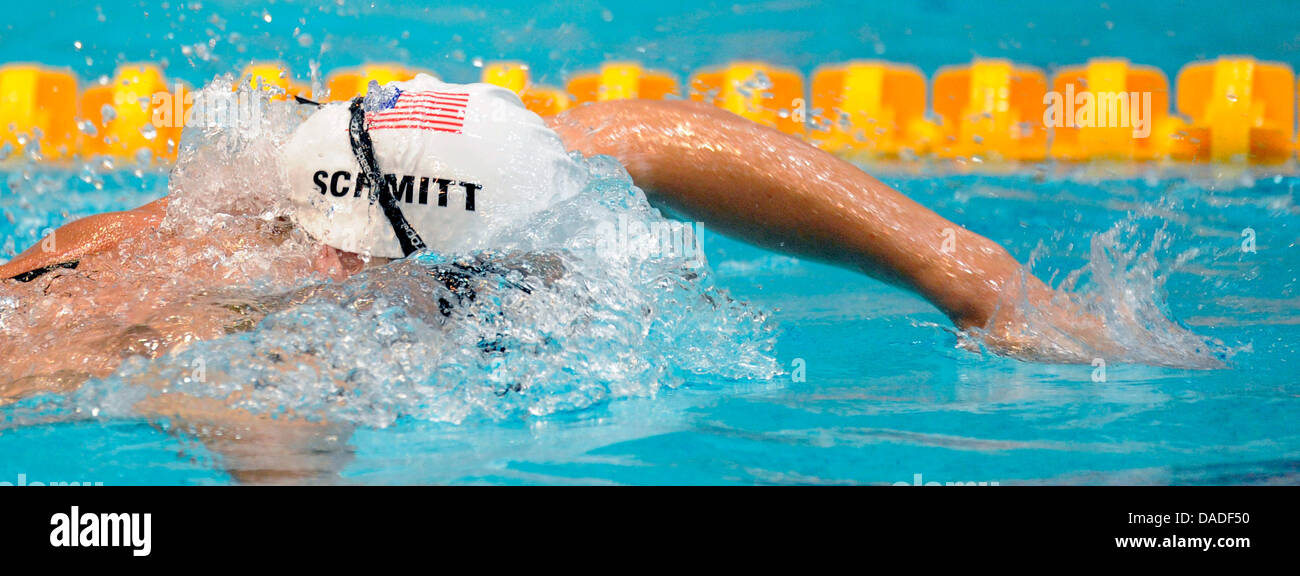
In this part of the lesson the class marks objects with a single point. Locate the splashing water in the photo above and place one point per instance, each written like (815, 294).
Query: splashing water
(1127, 291)
(1122, 287)
(224, 302)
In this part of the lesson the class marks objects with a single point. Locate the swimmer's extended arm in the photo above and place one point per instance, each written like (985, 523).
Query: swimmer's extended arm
(86, 236)
(777, 191)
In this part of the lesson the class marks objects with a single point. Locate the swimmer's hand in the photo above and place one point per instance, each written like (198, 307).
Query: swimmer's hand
(1034, 323)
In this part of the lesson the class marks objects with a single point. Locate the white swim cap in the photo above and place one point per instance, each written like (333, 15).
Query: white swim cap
(464, 162)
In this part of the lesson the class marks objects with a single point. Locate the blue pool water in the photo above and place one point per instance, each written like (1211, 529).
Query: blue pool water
(885, 394)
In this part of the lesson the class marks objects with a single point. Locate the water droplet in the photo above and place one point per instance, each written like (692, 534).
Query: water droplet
(149, 131)
(108, 113)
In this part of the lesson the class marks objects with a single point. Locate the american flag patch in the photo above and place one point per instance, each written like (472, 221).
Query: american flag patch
(437, 111)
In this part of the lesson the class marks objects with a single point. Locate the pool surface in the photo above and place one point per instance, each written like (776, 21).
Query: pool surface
(866, 384)
(883, 395)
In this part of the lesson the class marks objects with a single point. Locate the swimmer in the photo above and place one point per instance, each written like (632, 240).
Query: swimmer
(738, 177)
(424, 164)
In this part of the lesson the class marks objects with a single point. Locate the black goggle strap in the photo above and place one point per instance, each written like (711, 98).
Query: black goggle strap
(364, 150)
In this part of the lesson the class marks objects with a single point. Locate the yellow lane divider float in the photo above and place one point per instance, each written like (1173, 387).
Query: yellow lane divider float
(1110, 109)
(991, 109)
(871, 108)
(766, 94)
(1240, 109)
(125, 118)
(275, 77)
(622, 81)
(38, 104)
(1229, 109)
(514, 76)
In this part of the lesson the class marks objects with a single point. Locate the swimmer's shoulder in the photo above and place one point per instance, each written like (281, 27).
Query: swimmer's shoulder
(82, 238)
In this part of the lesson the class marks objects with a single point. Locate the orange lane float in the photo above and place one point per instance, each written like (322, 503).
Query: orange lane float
(621, 81)
(135, 111)
(1110, 109)
(871, 108)
(514, 76)
(991, 109)
(275, 77)
(766, 94)
(1240, 110)
(38, 104)
(1231, 109)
